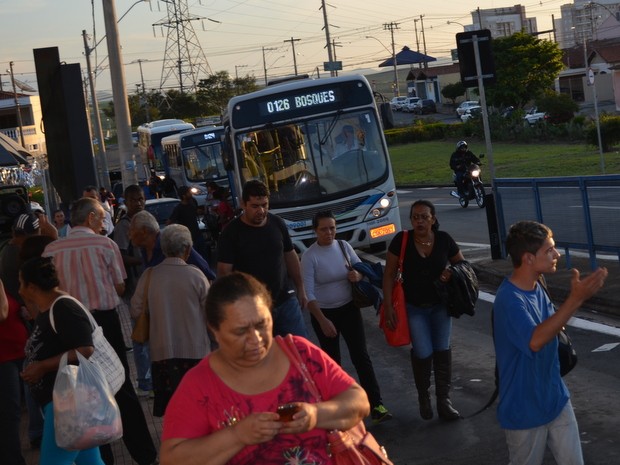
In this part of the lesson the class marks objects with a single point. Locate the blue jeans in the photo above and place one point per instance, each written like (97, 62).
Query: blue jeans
(51, 454)
(10, 413)
(287, 318)
(430, 329)
(527, 446)
(142, 359)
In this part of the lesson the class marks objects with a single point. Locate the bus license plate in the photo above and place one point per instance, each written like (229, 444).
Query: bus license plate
(382, 231)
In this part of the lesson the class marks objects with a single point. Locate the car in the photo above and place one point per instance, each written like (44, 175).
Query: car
(471, 113)
(410, 104)
(533, 116)
(425, 106)
(396, 103)
(462, 108)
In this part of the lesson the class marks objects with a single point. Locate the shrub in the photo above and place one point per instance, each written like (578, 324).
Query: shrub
(610, 132)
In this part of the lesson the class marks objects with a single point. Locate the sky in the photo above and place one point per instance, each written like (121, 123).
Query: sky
(233, 33)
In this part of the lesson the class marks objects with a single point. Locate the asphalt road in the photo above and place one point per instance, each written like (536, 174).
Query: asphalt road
(479, 440)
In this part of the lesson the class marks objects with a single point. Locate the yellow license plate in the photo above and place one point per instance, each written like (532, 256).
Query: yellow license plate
(382, 231)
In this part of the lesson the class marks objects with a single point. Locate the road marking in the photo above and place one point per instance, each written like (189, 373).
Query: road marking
(575, 322)
(607, 347)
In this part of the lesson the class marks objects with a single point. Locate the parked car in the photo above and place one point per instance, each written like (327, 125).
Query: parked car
(396, 103)
(462, 108)
(410, 104)
(533, 116)
(471, 113)
(425, 106)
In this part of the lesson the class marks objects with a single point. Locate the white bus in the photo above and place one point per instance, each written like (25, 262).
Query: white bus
(194, 158)
(317, 145)
(149, 144)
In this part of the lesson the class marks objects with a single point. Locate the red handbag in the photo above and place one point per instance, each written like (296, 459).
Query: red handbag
(398, 336)
(352, 447)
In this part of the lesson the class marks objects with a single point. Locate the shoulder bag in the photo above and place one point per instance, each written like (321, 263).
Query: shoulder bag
(353, 447)
(142, 328)
(398, 336)
(104, 355)
(360, 298)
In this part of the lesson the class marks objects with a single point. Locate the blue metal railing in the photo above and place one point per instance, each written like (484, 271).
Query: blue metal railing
(582, 211)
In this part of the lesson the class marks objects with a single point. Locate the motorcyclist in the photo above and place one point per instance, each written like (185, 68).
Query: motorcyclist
(459, 163)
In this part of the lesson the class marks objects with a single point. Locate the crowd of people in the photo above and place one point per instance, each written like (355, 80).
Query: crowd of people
(217, 343)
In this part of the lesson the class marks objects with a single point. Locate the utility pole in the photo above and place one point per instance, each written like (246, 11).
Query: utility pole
(423, 38)
(146, 102)
(292, 41)
(330, 56)
(265, 62)
(417, 40)
(101, 157)
(119, 95)
(334, 45)
(17, 107)
(391, 27)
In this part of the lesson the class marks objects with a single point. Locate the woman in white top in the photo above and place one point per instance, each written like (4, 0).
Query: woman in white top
(327, 279)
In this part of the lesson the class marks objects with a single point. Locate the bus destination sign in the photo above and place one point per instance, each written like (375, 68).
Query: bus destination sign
(306, 100)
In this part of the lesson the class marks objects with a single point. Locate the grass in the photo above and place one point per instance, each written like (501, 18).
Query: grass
(427, 163)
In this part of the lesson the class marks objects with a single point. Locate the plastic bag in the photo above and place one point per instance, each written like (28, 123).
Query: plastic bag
(85, 412)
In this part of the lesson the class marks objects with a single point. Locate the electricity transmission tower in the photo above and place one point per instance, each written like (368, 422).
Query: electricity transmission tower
(185, 62)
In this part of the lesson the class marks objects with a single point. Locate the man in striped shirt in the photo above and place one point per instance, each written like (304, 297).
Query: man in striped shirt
(90, 268)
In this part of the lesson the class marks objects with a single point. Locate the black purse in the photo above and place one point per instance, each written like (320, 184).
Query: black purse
(566, 353)
(359, 297)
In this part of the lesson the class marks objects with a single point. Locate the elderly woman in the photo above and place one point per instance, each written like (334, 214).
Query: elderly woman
(234, 393)
(174, 294)
(73, 333)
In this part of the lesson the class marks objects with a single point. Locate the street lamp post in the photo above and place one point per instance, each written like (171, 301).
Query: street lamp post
(17, 106)
(393, 53)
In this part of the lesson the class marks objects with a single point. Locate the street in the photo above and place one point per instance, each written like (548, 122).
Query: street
(479, 440)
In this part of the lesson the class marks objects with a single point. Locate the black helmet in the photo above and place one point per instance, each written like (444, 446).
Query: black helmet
(461, 145)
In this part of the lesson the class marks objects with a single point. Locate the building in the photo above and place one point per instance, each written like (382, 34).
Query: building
(503, 22)
(587, 20)
(31, 120)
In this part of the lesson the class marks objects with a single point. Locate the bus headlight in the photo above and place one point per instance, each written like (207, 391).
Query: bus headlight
(198, 190)
(380, 208)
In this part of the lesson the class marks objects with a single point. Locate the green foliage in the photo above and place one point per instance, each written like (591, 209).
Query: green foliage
(427, 163)
(419, 131)
(560, 107)
(610, 132)
(215, 91)
(453, 91)
(525, 67)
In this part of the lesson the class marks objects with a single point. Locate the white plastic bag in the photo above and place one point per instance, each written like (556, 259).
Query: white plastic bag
(85, 411)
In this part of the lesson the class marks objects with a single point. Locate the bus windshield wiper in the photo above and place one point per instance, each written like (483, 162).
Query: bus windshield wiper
(330, 128)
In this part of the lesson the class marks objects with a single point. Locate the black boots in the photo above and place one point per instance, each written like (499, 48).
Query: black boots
(442, 362)
(422, 376)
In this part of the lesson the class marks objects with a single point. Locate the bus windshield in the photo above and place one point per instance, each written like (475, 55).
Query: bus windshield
(315, 160)
(203, 163)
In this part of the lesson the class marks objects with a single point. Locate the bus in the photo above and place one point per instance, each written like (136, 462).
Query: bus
(149, 144)
(194, 158)
(317, 145)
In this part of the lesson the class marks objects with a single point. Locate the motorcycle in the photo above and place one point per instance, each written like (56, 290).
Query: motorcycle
(472, 186)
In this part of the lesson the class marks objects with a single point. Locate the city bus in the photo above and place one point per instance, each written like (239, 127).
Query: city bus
(194, 158)
(149, 144)
(317, 145)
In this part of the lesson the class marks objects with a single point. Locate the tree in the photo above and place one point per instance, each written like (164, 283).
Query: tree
(453, 91)
(215, 91)
(525, 67)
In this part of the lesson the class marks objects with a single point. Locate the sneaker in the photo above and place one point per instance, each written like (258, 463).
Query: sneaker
(380, 414)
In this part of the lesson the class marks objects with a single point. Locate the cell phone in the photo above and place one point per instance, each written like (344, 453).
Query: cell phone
(287, 411)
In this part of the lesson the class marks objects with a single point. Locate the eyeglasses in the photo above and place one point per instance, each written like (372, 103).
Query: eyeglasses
(417, 217)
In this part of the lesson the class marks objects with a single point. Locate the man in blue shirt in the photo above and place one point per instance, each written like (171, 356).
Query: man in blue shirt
(534, 404)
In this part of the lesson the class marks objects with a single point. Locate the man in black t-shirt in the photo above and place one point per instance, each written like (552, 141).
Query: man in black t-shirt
(258, 243)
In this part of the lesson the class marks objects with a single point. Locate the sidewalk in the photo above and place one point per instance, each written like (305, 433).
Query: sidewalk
(121, 454)
(606, 303)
